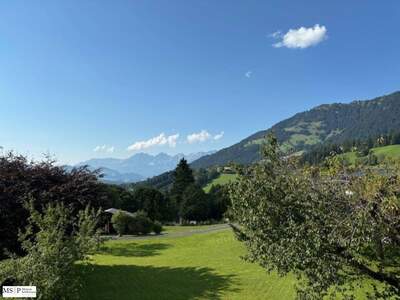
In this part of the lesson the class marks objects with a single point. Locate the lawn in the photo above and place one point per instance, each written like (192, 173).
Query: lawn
(201, 266)
(221, 179)
(177, 228)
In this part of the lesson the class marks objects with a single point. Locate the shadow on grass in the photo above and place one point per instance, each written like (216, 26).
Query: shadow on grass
(148, 282)
(133, 249)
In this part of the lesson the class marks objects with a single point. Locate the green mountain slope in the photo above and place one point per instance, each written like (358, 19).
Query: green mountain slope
(221, 180)
(332, 123)
(391, 151)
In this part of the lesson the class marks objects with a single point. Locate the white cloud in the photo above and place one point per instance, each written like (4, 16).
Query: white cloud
(199, 137)
(276, 34)
(172, 140)
(104, 148)
(159, 140)
(219, 136)
(248, 74)
(301, 37)
(111, 149)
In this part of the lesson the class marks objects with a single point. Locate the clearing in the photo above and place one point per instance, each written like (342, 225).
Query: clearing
(221, 179)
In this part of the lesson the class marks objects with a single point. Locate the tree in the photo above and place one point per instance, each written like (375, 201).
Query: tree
(332, 228)
(201, 177)
(220, 201)
(46, 183)
(195, 205)
(120, 221)
(183, 177)
(139, 223)
(120, 197)
(152, 202)
(59, 240)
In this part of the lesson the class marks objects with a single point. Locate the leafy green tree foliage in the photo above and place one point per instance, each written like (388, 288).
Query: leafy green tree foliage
(140, 223)
(128, 201)
(59, 240)
(21, 179)
(332, 228)
(168, 206)
(318, 153)
(201, 177)
(137, 223)
(395, 138)
(162, 182)
(183, 177)
(165, 181)
(219, 201)
(195, 205)
(120, 222)
(204, 176)
(120, 197)
(152, 202)
(157, 227)
(157, 205)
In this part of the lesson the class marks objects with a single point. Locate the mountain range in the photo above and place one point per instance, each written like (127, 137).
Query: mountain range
(139, 166)
(333, 123)
(327, 123)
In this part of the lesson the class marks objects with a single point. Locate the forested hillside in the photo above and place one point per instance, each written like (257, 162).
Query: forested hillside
(333, 123)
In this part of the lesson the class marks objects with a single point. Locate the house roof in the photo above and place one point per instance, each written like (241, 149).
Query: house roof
(115, 210)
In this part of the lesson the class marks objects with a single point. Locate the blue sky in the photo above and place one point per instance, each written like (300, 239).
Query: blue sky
(79, 76)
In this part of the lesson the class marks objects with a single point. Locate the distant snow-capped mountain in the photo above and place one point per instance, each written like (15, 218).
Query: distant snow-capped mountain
(138, 166)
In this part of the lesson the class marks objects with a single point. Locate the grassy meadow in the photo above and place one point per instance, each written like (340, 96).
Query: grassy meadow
(199, 266)
(222, 179)
(391, 151)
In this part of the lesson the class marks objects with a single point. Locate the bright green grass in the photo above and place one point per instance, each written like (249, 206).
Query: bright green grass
(202, 266)
(177, 228)
(350, 157)
(391, 151)
(221, 179)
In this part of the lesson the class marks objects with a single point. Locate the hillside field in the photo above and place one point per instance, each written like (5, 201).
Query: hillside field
(222, 180)
(391, 151)
(199, 266)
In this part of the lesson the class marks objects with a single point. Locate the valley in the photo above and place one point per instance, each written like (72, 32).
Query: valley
(195, 150)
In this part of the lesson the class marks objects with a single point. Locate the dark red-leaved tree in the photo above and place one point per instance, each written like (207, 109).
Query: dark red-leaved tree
(43, 182)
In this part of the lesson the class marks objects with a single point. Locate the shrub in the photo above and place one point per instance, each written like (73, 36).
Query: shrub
(60, 240)
(157, 227)
(140, 223)
(121, 222)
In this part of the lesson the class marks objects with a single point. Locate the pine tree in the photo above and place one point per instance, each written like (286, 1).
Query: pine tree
(183, 177)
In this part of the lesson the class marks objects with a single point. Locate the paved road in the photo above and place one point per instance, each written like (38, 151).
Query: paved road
(218, 227)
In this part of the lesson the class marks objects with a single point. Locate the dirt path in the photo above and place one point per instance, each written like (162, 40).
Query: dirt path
(185, 233)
